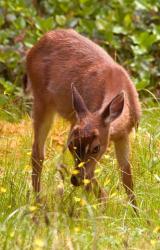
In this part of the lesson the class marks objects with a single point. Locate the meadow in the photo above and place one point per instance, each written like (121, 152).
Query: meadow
(130, 32)
(76, 220)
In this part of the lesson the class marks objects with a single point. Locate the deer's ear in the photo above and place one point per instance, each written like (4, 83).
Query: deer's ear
(78, 103)
(113, 109)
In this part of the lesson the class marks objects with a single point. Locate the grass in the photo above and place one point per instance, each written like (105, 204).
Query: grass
(76, 220)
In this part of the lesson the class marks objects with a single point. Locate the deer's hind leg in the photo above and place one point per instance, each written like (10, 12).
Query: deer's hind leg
(42, 121)
(122, 154)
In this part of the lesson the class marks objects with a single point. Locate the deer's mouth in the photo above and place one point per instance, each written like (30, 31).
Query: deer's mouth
(76, 181)
(77, 177)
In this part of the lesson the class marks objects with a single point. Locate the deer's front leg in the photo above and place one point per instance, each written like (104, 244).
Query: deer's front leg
(122, 154)
(42, 115)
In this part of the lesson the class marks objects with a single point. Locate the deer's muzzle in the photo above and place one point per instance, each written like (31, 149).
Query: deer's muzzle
(75, 180)
(85, 172)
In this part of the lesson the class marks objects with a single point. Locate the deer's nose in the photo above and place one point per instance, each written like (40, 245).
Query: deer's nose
(75, 181)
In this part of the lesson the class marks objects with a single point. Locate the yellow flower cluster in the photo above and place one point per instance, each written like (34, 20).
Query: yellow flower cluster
(3, 190)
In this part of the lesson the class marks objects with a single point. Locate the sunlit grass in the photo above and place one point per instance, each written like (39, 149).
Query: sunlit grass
(77, 220)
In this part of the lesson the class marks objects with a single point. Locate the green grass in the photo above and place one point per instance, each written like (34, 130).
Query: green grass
(76, 220)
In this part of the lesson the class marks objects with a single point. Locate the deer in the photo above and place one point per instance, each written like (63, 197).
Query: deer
(71, 75)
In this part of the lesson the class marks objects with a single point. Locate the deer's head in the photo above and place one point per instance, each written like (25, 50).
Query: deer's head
(89, 137)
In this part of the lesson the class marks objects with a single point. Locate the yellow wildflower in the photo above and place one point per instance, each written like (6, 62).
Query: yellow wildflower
(33, 208)
(39, 243)
(12, 234)
(3, 190)
(113, 194)
(83, 202)
(106, 157)
(98, 170)
(95, 206)
(75, 172)
(153, 242)
(76, 229)
(77, 199)
(27, 168)
(86, 181)
(157, 229)
(81, 164)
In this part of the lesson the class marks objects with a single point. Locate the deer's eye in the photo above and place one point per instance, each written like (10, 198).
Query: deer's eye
(96, 149)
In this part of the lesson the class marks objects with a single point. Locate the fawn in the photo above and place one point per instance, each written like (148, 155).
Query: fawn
(73, 76)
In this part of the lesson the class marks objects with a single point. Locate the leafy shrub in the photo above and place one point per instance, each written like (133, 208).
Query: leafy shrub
(129, 30)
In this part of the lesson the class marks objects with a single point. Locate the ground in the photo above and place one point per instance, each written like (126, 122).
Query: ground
(77, 220)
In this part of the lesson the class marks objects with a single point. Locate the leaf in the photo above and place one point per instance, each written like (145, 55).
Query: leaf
(44, 24)
(2, 21)
(157, 177)
(10, 17)
(101, 24)
(137, 50)
(61, 20)
(142, 84)
(144, 39)
(127, 20)
(7, 85)
(83, 1)
(3, 100)
(119, 30)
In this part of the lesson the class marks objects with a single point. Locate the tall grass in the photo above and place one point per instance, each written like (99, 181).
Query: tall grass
(76, 220)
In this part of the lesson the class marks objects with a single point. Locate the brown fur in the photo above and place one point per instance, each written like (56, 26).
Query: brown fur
(63, 57)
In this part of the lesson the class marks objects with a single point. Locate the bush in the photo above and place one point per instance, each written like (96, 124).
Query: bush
(129, 30)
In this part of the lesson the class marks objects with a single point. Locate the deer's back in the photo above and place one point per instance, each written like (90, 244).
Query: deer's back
(63, 57)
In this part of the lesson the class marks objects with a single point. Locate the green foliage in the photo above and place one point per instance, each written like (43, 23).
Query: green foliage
(128, 30)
